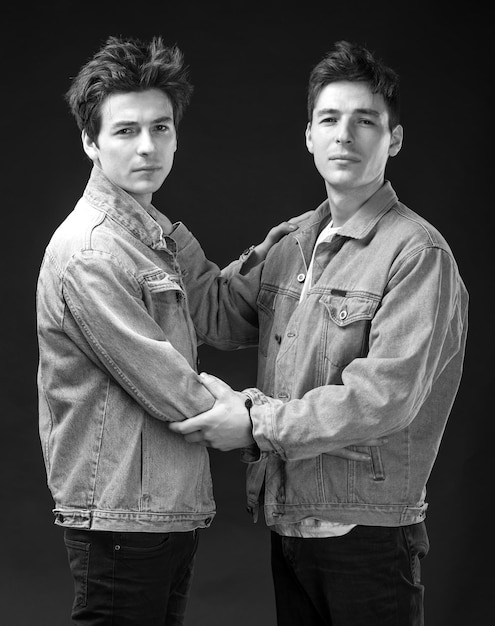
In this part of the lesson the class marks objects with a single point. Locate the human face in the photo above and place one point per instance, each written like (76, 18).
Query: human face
(136, 143)
(350, 139)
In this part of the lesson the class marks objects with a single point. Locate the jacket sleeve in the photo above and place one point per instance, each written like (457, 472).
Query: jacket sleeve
(222, 302)
(105, 300)
(417, 337)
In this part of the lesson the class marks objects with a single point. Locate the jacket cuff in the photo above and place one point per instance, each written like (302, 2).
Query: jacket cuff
(260, 414)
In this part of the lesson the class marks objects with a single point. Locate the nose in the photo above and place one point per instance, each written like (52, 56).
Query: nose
(344, 135)
(145, 144)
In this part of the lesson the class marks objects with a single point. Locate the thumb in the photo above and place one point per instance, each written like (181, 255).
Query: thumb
(277, 232)
(215, 385)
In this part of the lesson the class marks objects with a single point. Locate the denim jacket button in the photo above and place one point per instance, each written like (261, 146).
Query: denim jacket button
(343, 314)
(301, 277)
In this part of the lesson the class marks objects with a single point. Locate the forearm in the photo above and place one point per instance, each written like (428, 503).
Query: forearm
(328, 418)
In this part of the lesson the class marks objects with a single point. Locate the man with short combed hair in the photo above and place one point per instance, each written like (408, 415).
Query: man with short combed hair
(361, 320)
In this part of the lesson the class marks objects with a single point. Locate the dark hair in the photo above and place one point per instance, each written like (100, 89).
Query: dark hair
(128, 65)
(353, 62)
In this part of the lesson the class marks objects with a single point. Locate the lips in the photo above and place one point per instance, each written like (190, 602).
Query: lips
(344, 157)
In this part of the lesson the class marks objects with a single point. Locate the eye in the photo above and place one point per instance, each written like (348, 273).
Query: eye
(162, 128)
(328, 120)
(124, 131)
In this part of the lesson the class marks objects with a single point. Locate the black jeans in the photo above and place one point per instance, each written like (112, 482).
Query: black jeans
(368, 577)
(124, 579)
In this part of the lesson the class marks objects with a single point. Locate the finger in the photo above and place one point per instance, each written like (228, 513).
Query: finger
(186, 427)
(216, 386)
(277, 232)
(198, 438)
(285, 227)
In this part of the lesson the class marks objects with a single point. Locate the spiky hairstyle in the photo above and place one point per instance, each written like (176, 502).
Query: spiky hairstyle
(353, 62)
(124, 65)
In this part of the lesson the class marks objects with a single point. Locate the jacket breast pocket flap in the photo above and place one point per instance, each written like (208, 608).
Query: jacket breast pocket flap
(349, 308)
(159, 282)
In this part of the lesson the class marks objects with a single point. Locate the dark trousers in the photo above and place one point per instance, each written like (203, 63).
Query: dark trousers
(368, 577)
(124, 579)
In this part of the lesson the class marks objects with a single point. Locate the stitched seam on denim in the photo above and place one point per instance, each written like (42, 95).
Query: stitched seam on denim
(113, 366)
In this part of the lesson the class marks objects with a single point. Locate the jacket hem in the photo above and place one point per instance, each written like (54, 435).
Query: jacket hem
(364, 514)
(132, 521)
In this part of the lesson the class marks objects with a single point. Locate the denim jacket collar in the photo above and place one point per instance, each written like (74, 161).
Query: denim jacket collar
(362, 222)
(120, 206)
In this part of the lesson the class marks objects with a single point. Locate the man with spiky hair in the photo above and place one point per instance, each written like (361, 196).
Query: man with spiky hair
(118, 351)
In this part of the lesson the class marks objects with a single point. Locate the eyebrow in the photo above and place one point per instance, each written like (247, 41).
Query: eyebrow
(372, 112)
(158, 120)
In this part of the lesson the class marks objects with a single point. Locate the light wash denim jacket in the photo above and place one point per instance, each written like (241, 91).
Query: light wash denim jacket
(118, 361)
(375, 350)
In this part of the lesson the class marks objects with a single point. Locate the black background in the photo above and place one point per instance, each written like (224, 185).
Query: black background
(241, 167)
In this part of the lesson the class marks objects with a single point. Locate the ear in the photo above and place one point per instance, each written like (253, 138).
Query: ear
(309, 140)
(396, 140)
(89, 147)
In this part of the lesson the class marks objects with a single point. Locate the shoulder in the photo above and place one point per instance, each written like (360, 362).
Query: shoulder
(411, 230)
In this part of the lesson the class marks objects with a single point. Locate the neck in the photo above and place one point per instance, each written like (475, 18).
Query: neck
(143, 199)
(345, 203)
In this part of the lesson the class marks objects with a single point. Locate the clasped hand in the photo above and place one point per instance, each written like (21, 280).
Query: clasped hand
(227, 425)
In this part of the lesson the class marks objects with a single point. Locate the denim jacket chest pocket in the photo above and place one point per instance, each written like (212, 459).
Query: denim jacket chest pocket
(347, 324)
(163, 296)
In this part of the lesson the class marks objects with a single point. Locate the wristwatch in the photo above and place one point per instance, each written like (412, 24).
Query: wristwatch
(248, 404)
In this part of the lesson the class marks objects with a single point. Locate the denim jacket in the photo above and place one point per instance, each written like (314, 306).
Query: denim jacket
(374, 350)
(118, 361)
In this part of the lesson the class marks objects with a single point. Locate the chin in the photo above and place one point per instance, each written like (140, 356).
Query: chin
(340, 182)
(143, 190)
